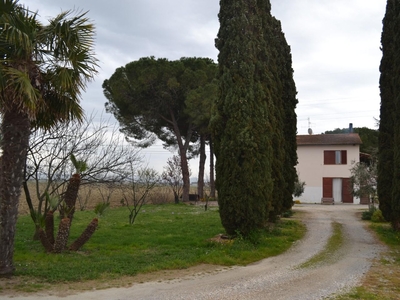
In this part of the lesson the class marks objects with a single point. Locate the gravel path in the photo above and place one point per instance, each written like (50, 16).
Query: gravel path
(272, 278)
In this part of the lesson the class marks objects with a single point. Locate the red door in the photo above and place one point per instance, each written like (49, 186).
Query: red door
(347, 196)
(327, 187)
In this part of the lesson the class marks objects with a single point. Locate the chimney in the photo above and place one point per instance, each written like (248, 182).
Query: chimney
(350, 127)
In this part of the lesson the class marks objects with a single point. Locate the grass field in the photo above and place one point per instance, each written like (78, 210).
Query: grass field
(172, 237)
(163, 237)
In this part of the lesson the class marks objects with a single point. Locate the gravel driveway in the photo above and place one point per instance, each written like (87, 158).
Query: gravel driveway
(276, 277)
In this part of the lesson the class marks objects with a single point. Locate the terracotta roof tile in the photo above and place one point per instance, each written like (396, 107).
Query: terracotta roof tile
(329, 139)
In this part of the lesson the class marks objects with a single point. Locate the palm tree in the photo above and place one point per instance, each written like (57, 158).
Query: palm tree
(43, 69)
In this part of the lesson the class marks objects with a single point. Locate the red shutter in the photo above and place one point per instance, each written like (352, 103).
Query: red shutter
(347, 196)
(344, 157)
(327, 187)
(329, 157)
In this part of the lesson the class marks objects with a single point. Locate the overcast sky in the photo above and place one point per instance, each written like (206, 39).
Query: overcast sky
(335, 50)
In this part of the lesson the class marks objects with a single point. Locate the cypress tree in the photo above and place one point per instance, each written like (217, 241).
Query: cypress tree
(395, 84)
(273, 87)
(254, 121)
(388, 123)
(284, 119)
(242, 121)
(289, 101)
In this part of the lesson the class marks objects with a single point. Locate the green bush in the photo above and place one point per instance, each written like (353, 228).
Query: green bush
(288, 213)
(100, 208)
(367, 215)
(377, 217)
(298, 187)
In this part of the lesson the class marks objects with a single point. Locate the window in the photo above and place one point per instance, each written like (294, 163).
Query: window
(335, 157)
(338, 156)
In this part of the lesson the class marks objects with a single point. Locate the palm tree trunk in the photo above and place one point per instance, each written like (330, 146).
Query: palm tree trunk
(60, 243)
(45, 241)
(71, 194)
(49, 226)
(15, 129)
(85, 236)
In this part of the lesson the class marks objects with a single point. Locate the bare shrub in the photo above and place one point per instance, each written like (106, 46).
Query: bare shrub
(48, 167)
(137, 189)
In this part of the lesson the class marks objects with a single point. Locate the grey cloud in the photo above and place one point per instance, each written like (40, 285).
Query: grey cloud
(335, 44)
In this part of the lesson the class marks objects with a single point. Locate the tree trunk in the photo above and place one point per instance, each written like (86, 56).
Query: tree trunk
(176, 197)
(183, 155)
(200, 180)
(34, 214)
(212, 176)
(15, 141)
(60, 244)
(396, 225)
(85, 236)
(185, 176)
(49, 226)
(71, 194)
(45, 241)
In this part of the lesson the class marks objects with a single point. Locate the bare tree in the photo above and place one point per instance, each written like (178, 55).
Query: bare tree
(172, 175)
(48, 165)
(137, 189)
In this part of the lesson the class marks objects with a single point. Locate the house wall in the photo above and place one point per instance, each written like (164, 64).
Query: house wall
(311, 169)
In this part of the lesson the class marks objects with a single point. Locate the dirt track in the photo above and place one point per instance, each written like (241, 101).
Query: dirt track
(273, 278)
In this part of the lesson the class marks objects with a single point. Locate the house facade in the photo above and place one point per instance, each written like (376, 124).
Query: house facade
(324, 163)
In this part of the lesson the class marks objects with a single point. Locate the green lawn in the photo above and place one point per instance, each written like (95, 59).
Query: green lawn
(163, 237)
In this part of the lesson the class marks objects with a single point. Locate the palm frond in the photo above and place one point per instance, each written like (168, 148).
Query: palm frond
(20, 88)
(58, 108)
(44, 69)
(80, 165)
(18, 28)
(70, 41)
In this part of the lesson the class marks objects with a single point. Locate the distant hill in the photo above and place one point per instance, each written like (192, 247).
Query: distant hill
(369, 138)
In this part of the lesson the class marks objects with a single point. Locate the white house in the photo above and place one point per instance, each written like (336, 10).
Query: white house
(324, 163)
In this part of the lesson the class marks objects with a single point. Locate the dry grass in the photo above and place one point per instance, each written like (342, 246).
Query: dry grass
(92, 194)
